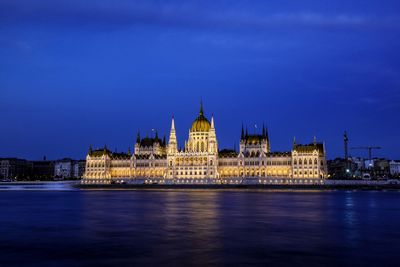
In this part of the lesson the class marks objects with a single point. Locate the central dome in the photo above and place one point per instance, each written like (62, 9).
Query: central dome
(201, 124)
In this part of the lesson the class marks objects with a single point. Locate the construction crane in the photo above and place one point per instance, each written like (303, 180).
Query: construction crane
(346, 144)
(369, 148)
(346, 153)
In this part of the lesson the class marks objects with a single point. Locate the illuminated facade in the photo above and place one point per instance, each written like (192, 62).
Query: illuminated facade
(201, 162)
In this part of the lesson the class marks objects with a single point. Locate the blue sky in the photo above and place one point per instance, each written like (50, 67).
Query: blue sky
(75, 73)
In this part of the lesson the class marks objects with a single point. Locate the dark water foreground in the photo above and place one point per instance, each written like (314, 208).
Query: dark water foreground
(199, 228)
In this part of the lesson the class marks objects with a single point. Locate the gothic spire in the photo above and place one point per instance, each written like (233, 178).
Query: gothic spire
(263, 131)
(173, 123)
(138, 137)
(172, 143)
(242, 134)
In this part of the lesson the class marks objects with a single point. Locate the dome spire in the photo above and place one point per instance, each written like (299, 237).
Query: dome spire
(201, 108)
(200, 124)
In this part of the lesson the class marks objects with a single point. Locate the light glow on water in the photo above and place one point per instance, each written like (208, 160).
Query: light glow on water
(198, 227)
(38, 186)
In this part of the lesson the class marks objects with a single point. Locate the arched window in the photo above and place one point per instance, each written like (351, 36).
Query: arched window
(198, 147)
(202, 146)
(300, 161)
(315, 161)
(295, 162)
(310, 161)
(305, 161)
(211, 162)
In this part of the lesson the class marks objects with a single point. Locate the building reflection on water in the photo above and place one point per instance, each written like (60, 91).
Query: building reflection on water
(194, 217)
(169, 225)
(194, 227)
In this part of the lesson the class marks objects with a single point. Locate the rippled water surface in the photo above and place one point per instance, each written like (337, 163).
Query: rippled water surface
(198, 228)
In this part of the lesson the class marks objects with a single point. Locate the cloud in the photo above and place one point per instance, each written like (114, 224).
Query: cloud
(179, 14)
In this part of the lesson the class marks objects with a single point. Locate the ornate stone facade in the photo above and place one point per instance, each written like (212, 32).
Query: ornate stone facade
(201, 162)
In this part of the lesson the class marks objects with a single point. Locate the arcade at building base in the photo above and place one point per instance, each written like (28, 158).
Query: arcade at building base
(207, 181)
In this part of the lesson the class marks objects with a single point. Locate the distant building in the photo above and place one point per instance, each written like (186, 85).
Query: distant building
(79, 169)
(42, 170)
(68, 168)
(381, 168)
(63, 168)
(394, 168)
(359, 162)
(369, 164)
(339, 168)
(13, 169)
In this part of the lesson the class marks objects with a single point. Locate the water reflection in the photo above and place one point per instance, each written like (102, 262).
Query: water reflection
(350, 220)
(167, 220)
(190, 227)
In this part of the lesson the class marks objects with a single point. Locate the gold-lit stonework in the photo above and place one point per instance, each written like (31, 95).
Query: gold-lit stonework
(201, 162)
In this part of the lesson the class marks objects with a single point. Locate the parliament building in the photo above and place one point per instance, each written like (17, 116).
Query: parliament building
(200, 161)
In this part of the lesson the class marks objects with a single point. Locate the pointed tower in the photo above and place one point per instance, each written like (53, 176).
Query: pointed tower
(172, 144)
(242, 133)
(138, 137)
(212, 138)
(267, 137)
(263, 131)
(137, 145)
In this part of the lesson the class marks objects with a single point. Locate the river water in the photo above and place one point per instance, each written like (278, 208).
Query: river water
(199, 228)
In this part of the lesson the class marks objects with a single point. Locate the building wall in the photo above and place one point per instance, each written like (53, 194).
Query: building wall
(183, 165)
(394, 168)
(309, 165)
(63, 169)
(13, 168)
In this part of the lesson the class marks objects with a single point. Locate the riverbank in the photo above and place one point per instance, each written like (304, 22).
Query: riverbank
(39, 185)
(76, 185)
